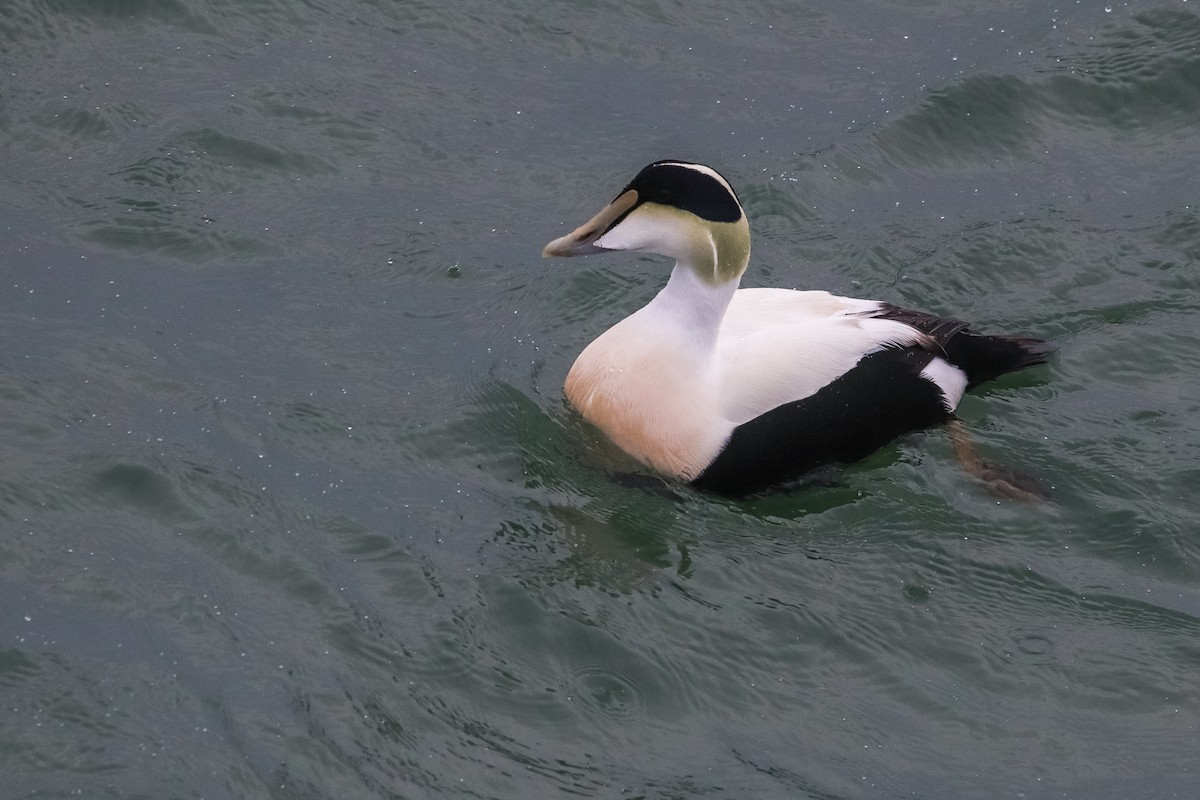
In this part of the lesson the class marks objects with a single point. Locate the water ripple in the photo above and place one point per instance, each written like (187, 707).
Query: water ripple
(1142, 77)
(606, 691)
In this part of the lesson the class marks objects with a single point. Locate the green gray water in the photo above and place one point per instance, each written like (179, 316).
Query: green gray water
(291, 505)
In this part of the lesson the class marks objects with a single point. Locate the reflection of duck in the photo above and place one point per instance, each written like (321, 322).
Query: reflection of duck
(737, 390)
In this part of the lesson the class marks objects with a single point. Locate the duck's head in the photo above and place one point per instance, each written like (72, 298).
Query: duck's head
(674, 208)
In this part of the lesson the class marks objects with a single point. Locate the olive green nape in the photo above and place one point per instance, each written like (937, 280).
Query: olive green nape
(731, 240)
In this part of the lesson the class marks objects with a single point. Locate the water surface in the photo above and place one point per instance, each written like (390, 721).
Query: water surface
(292, 505)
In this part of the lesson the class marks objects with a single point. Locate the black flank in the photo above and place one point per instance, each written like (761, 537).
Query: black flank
(882, 397)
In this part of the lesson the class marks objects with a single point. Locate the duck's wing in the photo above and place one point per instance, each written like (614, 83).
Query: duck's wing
(808, 378)
(777, 346)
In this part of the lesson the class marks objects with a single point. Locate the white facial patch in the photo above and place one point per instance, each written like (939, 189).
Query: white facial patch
(651, 228)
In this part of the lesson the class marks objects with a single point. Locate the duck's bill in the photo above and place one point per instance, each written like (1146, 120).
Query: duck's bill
(581, 241)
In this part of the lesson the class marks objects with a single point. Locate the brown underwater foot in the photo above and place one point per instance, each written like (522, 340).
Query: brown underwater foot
(999, 480)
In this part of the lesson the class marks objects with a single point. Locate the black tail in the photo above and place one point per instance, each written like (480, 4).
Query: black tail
(982, 357)
(986, 357)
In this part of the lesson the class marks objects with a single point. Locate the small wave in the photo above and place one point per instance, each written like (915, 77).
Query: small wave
(1143, 76)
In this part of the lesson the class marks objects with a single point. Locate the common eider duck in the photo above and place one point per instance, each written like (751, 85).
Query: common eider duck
(736, 391)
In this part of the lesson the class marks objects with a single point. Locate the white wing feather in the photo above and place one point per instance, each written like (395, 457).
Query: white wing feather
(780, 345)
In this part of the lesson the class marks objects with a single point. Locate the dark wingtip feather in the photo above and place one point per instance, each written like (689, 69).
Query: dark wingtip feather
(986, 357)
(1035, 351)
(980, 356)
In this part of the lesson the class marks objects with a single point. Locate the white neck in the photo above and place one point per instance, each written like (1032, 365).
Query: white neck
(693, 305)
